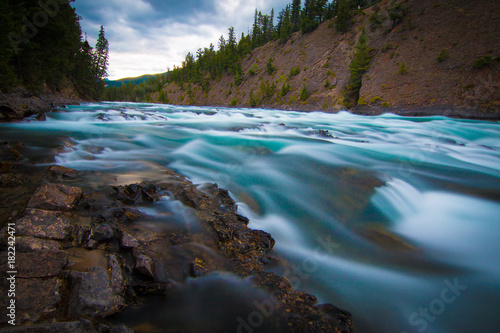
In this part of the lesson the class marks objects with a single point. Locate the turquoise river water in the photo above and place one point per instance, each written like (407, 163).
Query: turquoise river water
(394, 219)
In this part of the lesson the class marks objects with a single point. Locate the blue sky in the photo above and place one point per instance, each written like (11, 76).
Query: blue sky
(151, 36)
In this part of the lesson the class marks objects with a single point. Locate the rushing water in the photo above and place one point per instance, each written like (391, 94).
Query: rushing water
(395, 219)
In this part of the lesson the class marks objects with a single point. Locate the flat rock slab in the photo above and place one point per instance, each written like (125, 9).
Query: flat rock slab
(44, 224)
(93, 294)
(82, 326)
(55, 197)
(29, 243)
(60, 171)
(40, 264)
(35, 299)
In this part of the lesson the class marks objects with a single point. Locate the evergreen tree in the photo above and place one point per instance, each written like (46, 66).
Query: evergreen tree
(295, 15)
(101, 55)
(358, 66)
(343, 16)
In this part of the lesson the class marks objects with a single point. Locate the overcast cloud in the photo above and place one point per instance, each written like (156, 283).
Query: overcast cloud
(151, 36)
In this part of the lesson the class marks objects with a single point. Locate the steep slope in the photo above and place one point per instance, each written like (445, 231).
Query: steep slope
(442, 57)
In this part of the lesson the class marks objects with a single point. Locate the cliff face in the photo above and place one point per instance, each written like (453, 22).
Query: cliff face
(443, 57)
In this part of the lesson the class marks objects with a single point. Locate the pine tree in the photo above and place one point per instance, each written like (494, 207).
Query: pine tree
(343, 16)
(101, 56)
(295, 15)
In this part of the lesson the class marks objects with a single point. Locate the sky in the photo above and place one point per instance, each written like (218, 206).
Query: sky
(151, 36)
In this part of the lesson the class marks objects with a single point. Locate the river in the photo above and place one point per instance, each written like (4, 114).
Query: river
(394, 219)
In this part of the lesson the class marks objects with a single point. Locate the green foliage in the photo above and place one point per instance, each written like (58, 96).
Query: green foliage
(396, 13)
(343, 20)
(270, 69)
(267, 90)
(33, 54)
(483, 62)
(387, 46)
(254, 101)
(443, 56)
(294, 71)
(285, 89)
(358, 66)
(304, 94)
(235, 102)
(254, 70)
(327, 83)
(402, 69)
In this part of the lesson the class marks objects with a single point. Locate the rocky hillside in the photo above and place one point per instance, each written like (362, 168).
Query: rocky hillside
(442, 57)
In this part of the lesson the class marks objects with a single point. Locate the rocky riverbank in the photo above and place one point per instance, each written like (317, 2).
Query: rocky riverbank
(84, 256)
(21, 103)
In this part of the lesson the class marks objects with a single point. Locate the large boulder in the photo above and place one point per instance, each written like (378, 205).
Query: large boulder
(45, 224)
(55, 197)
(93, 294)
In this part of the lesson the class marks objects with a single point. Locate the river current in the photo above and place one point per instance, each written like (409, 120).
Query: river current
(394, 219)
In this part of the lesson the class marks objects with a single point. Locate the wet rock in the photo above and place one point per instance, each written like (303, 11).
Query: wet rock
(12, 180)
(92, 294)
(55, 197)
(7, 113)
(198, 268)
(103, 117)
(128, 241)
(82, 326)
(338, 318)
(28, 243)
(10, 151)
(35, 299)
(58, 171)
(135, 193)
(101, 233)
(116, 279)
(40, 264)
(127, 215)
(121, 329)
(324, 133)
(6, 166)
(41, 117)
(263, 240)
(155, 288)
(45, 224)
(144, 265)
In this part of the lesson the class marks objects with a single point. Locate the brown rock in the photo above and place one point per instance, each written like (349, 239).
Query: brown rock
(29, 243)
(55, 197)
(44, 224)
(40, 264)
(35, 299)
(82, 326)
(92, 294)
(60, 171)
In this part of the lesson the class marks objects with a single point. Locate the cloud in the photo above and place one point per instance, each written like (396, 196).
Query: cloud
(150, 36)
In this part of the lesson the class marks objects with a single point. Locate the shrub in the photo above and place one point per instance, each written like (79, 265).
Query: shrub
(402, 69)
(285, 89)
(294, 71)
(443, 56)
(270, 69)
(235, 102)
(304, 94)
(482, 62)
(327, 84)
